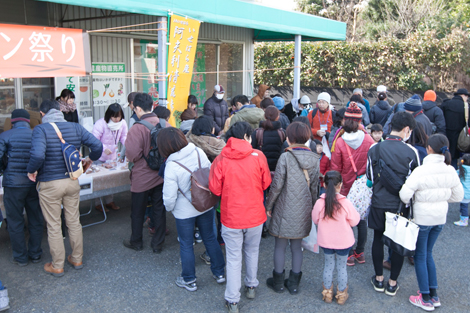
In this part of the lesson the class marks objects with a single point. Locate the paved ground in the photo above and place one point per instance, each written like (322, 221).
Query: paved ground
(116, 279)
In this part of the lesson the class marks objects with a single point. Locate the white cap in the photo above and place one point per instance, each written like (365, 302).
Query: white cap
(305, 100)
(381, 88)
(324, 96)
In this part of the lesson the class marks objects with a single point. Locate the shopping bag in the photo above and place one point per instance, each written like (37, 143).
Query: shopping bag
(400, 233)
(360, 196)
(310, 242)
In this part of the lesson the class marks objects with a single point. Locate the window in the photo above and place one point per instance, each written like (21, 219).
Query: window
(231, 61)
(7, 99)
(36, 90)
(145, 61)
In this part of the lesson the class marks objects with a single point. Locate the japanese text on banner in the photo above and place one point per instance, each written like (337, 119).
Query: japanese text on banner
(183, 33)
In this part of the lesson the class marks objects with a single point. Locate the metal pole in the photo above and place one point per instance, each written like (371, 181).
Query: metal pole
(162, 60)
(298, 50)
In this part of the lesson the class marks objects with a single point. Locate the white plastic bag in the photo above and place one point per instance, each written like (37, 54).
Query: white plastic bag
(310, 242)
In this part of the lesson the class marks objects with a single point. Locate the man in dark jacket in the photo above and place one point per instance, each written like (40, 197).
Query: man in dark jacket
(414, 107)
(216, 108)
(55, 187)
(433, 113)
(19, 191)
(402, 159)
(455, 120)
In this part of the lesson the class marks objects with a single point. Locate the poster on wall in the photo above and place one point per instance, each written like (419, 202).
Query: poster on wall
(109, 84)
(183, 33)
(198, 83)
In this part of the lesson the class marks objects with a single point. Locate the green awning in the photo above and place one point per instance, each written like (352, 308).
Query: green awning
(269, 24)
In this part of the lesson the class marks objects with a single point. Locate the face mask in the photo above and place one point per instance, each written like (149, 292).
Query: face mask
(406, 138)
(114, 126)
(219, 96)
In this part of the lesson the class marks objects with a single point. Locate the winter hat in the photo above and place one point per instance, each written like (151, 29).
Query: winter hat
(305, 100)
(324, 96)
(130, 98)
(19, 115)
(381, 88)
(219, 89)
(279, 103)
(413, 104)
(430, 95)
(188, 114)
(353, 112)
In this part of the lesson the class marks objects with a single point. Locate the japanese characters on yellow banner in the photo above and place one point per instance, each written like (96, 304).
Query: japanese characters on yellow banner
(183, 33)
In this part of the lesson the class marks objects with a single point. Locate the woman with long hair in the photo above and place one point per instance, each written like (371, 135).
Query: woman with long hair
(67, 105)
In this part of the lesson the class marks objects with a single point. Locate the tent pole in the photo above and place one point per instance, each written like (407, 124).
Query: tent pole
(162, 59)
(297, 52)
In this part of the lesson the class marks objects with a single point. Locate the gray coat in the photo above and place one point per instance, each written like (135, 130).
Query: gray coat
(290, 199)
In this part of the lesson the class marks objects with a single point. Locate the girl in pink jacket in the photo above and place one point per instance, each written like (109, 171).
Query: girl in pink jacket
(335, 217)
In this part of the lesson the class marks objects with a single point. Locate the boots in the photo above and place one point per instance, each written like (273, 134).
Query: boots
(276, 282)
(463, 221)
(327, 294)
(4, 301)
(341, 296)
(292, 283)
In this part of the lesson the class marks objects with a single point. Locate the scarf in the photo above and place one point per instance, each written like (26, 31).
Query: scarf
(210, 145)
(67, 108)
(114, 126)
(53, 116)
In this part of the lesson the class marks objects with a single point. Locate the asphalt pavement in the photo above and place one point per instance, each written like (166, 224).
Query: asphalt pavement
(116, 279)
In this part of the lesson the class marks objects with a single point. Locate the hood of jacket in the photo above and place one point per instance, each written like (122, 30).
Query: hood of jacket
(53, 116)
(354, 140)
(183, 153)
(237, 149)
(211, 145)
(427, 105)
(252, 115)
(186, 125)
(383, 105)
(261, 90)
(247, 106)
(434, 158)
(303, 157)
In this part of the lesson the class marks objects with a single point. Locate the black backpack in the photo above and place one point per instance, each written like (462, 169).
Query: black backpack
(154, 158)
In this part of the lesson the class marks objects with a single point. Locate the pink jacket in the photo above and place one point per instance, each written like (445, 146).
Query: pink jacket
(335, 233)
(108, 138)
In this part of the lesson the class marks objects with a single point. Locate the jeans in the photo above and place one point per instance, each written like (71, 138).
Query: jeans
(341, 252)
(1, 286)
(206, 224)
(15, 199)
(424, 262)
(139, 206)
(463, 209)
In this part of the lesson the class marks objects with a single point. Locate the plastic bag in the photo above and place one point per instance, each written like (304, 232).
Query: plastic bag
(310, 242)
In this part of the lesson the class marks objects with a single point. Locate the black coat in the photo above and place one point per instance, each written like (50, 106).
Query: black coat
(435, 115)
(16, 144)
(217, 110)
(71, 116)
(402, 158)
(272, 144)
(455, 121)
(379, 112)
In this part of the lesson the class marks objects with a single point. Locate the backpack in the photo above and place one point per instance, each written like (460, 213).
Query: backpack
(71, 155)
(201, 197)
(154, 158)
(260, 133)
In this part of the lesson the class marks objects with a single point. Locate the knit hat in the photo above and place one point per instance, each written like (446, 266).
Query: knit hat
(430, 95)
(413, 104)
(279, 103)
(324, 96)
(188, 114)
(219, 89)
(353, 112)
(19, 115)
(305, 100)
(381, 88)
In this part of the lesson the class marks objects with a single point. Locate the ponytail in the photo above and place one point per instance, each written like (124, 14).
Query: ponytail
(439, 144)
(464, 160)
(332, 180)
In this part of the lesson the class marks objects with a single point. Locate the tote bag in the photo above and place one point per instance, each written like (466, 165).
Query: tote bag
(360, 195)
(401, 233)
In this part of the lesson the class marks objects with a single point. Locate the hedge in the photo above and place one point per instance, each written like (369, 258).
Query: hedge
(419, 62)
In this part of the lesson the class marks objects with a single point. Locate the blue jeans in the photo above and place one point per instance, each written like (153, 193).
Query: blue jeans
(206, 224)
(463, 209)
(341, 252)
(424, 262)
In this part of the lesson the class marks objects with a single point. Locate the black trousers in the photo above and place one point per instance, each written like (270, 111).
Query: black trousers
(139, 205)
(15, 199)
(361, 237)
(396, 260)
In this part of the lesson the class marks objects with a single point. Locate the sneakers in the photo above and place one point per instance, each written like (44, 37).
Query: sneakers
(197, 235)
(462, 222)
(232, 307)
(205, 258)
(378, 285)
(420, 303)
(435, 300)
(189, 286)
(250, 292)
(360, 258)
(391, 290)
(219, 279)
(350, 261)
(12, 260)
(4, 300)
(36, 259)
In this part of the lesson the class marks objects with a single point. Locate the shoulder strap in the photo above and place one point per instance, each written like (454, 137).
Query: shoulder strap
(59, 134)
(466, 113)
(313, 112)
(259, 136)
(146, 124)
(282, 134)
(351, 159)
(307, 177)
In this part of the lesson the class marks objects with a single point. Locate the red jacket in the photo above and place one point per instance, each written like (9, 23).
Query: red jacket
(239, 175)
(340, 161)
(324, 167)
(318, 119)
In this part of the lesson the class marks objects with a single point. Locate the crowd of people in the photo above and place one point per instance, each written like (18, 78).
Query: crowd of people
(297, 162)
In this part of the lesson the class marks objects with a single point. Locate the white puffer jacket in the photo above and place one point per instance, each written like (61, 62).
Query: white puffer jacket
(432, 186)
(177, 177)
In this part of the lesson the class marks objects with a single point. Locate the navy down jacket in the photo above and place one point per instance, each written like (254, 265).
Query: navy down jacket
(16, 144)
(46, 151)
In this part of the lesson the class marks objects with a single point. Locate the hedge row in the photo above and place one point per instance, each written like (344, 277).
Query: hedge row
(419, 62)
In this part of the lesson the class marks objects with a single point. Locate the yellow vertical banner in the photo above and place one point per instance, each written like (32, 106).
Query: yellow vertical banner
(183, 33)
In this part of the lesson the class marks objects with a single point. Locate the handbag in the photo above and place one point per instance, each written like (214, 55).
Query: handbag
(463, 143)
(401, 233)
(71, 155)
(310, 242)
(360, 195)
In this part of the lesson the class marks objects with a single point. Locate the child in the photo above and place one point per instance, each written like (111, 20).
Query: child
(464, 174)
(431, 186)
(324, 164)
(376, 131)
(335, 216)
